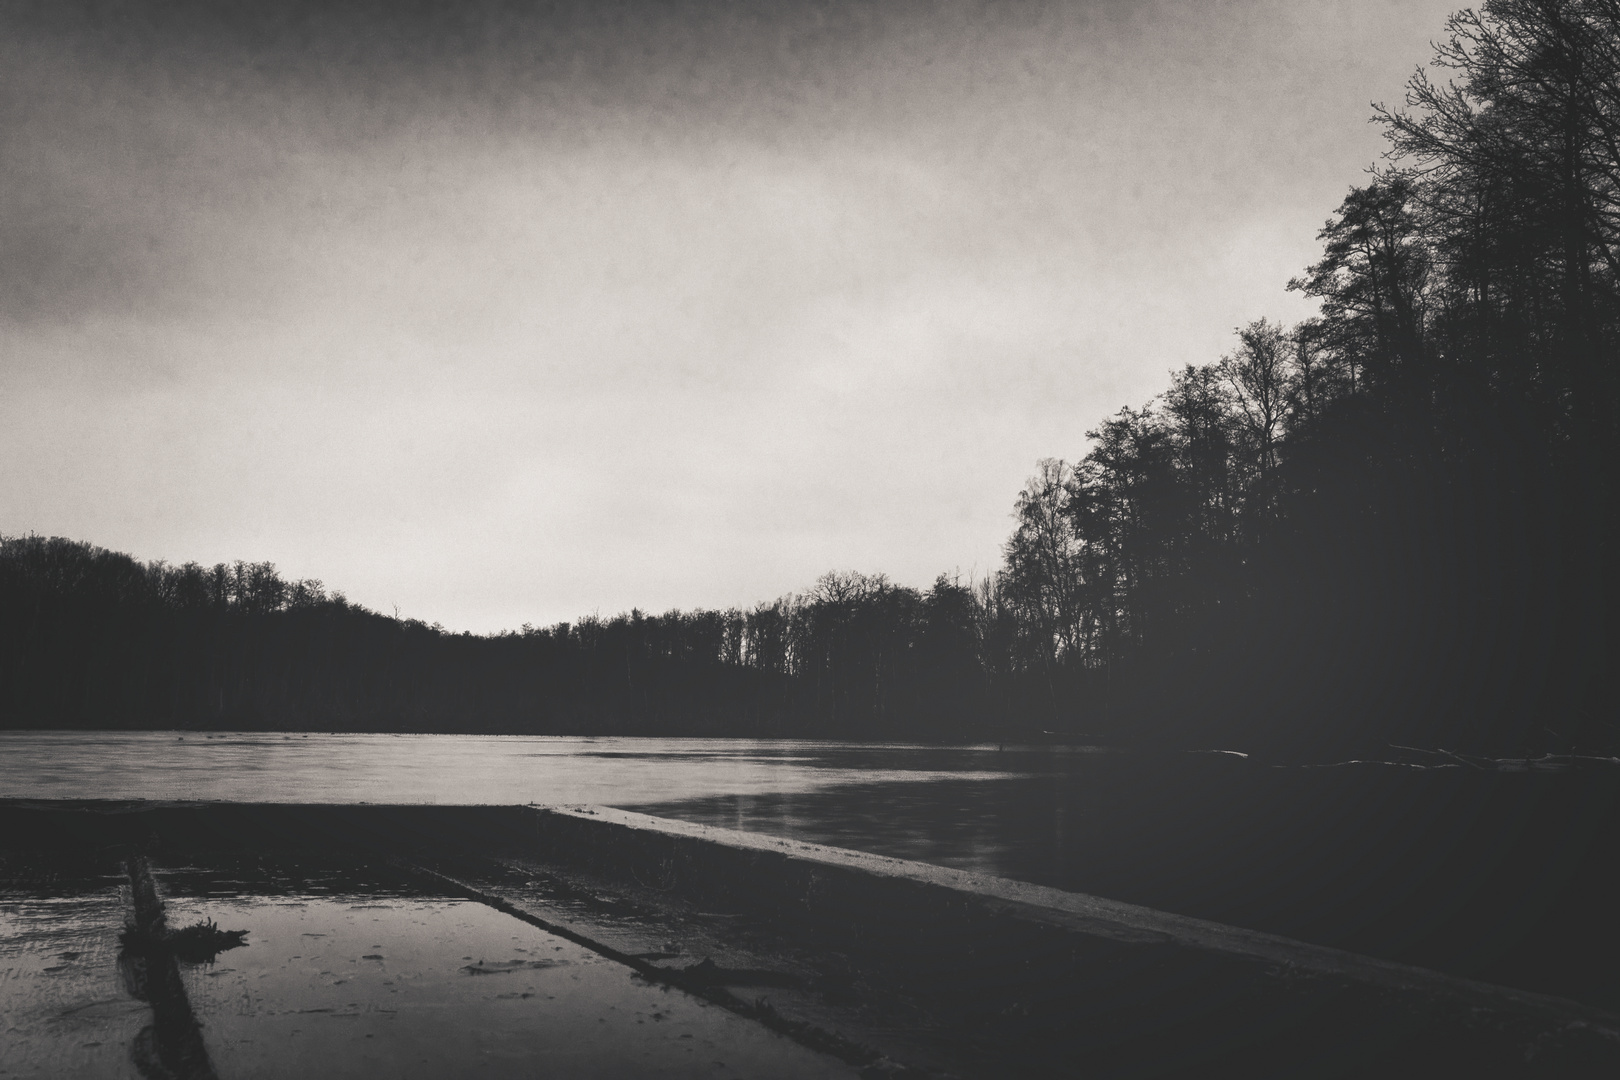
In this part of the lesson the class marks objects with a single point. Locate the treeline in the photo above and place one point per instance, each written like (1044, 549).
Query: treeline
(92, 638)
(1394, 522)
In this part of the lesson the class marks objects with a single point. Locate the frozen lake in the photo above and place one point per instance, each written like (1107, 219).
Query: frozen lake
(1013, 812)
(974, 807)
(1483, 873)
(458, 769)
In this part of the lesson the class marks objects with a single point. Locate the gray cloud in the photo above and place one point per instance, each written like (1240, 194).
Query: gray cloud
(508, 312)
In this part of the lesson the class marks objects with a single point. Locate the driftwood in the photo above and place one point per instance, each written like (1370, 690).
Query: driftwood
(171, 1047)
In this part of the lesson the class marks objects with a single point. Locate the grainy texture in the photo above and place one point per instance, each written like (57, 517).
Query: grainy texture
(959, 973)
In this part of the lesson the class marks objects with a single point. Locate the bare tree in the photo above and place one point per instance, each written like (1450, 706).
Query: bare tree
(1259, 376)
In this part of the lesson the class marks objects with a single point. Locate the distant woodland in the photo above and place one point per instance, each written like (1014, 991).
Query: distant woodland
(1394, 522)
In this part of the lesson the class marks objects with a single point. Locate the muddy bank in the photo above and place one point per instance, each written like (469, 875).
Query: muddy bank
(334, 970)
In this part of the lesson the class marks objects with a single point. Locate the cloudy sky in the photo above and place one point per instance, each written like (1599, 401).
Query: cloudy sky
(504, 312)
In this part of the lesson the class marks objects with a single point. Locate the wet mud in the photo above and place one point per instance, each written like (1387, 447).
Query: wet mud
(64, 1008)
(419, 987)
(522, 936)
(254, 964)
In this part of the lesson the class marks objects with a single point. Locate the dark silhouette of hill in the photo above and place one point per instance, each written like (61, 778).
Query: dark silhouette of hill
(92, 638)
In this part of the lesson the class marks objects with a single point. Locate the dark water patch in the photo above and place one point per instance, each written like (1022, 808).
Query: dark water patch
(305, 871)
(1497, 875)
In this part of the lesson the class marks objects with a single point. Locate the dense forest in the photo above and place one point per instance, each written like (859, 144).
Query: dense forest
(1393, 522)
(91, 638)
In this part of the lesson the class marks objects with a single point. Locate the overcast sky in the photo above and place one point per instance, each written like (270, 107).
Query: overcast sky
(504, 318)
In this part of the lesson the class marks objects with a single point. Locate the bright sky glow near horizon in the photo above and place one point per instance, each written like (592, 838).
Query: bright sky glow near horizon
(507, 317)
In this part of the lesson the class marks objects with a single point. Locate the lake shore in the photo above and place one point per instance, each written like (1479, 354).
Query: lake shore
(891, 968)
